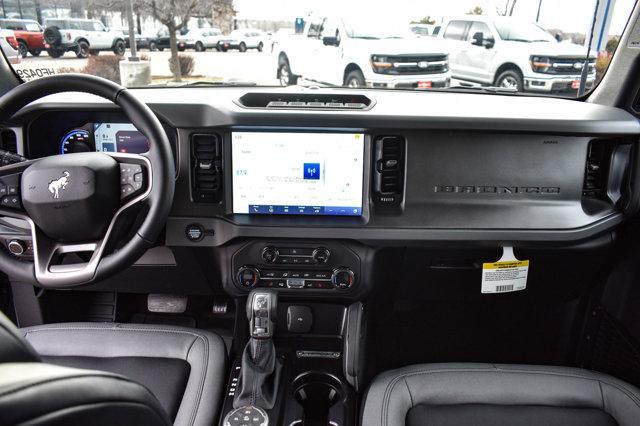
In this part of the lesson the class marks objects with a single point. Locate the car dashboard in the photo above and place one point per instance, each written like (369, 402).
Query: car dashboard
(279, 176)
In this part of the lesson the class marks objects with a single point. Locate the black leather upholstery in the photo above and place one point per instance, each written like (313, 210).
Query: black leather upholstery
(43, 394)
(13, 347)
(486, 394)
(201, 358)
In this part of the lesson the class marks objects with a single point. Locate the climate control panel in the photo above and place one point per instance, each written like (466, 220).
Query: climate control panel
(299, 267)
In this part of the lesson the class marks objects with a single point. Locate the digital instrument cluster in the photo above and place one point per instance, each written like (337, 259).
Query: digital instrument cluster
(104, 137)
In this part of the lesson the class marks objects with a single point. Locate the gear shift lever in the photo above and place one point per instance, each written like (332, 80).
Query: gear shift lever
(260, 370)
(262, 306)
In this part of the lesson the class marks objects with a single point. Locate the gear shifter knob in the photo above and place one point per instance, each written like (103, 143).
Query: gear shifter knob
(262, 306)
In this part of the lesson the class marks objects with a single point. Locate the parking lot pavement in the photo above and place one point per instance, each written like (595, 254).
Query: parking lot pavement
(258, 67)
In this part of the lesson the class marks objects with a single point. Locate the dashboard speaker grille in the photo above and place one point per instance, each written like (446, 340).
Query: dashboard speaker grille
(389, 161)
(206, 167)
(323, 101)
(8, 141)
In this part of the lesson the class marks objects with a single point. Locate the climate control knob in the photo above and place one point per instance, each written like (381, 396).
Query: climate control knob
(342, 278)
(270, 254)
(248, 276)
(321, 255)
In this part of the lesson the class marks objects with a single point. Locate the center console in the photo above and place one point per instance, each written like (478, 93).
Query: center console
(297, 267)
(301, 364)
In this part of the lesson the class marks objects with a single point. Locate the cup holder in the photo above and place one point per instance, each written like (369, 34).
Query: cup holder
(317, 393)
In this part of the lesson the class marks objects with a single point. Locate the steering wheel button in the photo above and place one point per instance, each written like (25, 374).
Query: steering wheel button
(3, 190)
(12, 190)
(137, 177)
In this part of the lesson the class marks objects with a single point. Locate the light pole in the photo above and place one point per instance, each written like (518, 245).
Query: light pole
(132, 34)
(539, 7)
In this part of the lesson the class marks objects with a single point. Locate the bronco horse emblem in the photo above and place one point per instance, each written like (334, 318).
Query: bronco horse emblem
(57, 184)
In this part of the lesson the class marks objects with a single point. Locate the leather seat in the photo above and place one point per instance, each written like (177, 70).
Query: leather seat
(489, 394)
(95, 373)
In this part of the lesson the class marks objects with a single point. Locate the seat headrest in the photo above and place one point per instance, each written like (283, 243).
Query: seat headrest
(13, 346)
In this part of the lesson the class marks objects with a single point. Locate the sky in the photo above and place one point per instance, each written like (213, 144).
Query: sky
(567, 15)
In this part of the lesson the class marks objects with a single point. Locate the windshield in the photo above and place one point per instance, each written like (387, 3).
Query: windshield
(376, 28)
(522, 31)
(519, 47)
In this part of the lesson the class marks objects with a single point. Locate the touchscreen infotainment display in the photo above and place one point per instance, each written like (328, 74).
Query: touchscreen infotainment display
(297, 173)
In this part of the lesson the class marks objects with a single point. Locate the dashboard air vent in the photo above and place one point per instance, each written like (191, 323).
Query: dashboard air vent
(388, 179)
(206, 167)
(8, 141)
(597, 169)
(324, 101)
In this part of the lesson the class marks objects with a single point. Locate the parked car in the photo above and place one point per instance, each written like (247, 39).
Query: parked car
(163, 41)
(510, 53)
(200, 39)
(9, 46)
(357, 53)
(143, 41)
(82, 36)
(28, 34)
(244, 39)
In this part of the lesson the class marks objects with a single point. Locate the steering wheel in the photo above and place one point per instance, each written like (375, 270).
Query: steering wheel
(73, 201)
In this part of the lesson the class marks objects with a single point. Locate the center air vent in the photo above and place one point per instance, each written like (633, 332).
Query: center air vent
(388, 176)
(324, 101)
(8, 141)
(206, 168)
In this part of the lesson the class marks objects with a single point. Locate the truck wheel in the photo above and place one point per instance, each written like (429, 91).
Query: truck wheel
(510, 79)
(52, 35)
(153, 46)
(286, 77)
(260, 47)
(224, 49)
(119, 48)
(82, 51)
(23, 49)
(55, 53)
(243, 47)
(161, 49)
(35, 52)
(199, 47)
(355, 79)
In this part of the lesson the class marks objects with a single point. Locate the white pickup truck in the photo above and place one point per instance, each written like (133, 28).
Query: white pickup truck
(510, 53)
(359, 53)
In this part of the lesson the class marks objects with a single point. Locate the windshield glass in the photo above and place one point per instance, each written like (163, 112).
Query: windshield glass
(519, 47)
(522, 31)
(376, 28)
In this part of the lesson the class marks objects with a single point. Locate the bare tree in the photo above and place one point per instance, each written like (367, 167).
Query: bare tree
(475, 11)
(175, 15)
(427, 20)
(508, 8)
(223, 13)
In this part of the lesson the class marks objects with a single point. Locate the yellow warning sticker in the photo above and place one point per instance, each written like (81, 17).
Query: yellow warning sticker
(506, 275)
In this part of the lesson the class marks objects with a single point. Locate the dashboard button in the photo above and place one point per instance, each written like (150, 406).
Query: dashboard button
(342, 278)
(17, 247)
(270, 254)
(322, 275)
(321, 255)
(248, 276)
(194, 232)
(12, 201)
